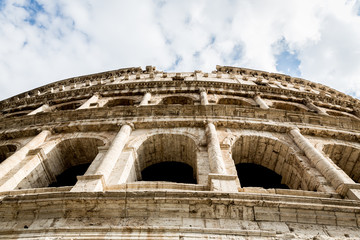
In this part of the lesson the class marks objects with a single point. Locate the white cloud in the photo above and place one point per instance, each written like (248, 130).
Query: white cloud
(69, 38)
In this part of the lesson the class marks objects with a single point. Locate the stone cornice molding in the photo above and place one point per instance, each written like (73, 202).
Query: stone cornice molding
(211, 86)
(104, 125)
(325, 93)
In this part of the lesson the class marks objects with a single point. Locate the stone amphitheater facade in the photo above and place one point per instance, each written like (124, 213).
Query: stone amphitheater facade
(144, 154)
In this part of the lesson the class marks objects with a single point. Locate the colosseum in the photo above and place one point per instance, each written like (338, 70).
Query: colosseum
(145, 154)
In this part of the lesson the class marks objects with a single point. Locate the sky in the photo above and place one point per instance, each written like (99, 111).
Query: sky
(43, 41)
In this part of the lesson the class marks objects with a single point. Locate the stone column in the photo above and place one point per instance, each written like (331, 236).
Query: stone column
(203, 97)
(261, 102)
(98, 180)
(214, 151)
(218, 178)
(146, 98)
(312, 106)
(11, 162)
(338, 179)
(42, 108)
(91, 100)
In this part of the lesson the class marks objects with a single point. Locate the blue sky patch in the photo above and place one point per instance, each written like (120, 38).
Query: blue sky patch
(288, 63)
(237, 52)
(33, 8)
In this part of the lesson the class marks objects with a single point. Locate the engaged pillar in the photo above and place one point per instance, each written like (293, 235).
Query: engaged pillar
(312, 106)
(8, 164)
(91, 101)
(218, 178)
(333, 175)
(42, 108)
(203, 97)
(98, 180)
(261, 102)
(146, 99)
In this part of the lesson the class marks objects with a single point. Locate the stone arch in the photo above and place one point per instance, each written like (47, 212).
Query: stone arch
(277, 156)
(120, 102)
(182, 100)
(289, 106)
(235, 101)
(63, 156)
(161, 148)
(6, 151)
(345, 157)
(339, 114)
(68, 105)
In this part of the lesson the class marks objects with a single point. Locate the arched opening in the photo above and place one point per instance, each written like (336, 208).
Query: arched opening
(170, 172)
(68, 177)
(346, 157)
(234, 101)
(167, 157)
(253, 175)
(339, 114)
(71, 157)
(120, 102)
(6, 151)
(289, 107)
(275, 156)
(177, 100)
(68, 106)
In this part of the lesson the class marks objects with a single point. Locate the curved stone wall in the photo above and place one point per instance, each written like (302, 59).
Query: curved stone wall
(125, 121)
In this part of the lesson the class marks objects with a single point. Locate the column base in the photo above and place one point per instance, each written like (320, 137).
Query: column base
(89, 183)
(352, 191)
(223, 183)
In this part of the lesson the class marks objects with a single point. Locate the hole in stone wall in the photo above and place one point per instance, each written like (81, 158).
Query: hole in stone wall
(6, 151)
(167, 157)
(69, 158)
(253, 175)
(233, 101)
(276, 156)
(178, 100)
(288, 107)
(170, 172)
(120, 102)
(346, 157)
(68, 177)
(68, 106)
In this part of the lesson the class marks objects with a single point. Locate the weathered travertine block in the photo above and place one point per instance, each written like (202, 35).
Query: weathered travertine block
(335, 176)
(12, 161)
(112, 197)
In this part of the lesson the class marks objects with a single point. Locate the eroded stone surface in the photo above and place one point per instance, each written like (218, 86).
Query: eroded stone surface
(123, 121)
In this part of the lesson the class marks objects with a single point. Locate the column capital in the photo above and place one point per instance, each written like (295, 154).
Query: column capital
(203, 89)
(129, 124)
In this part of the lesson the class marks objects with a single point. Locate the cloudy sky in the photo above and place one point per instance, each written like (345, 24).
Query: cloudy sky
(43, 41)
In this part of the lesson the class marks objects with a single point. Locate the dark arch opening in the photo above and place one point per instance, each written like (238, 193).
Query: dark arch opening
(169, 171)
(6, 151)
(178, 100)
(253, 175)
(68, 177)
(120, 102)
(68, 106)
(234, 101)
(288, 107)
(67, 160)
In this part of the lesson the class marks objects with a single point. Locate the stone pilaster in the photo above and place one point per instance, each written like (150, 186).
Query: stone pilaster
(11, 162)
(90, 101)
(261, 102)
(337, 178)
(203, 97)
(42, 108)
(313, 107)
(146, 99)
(98, 180)
(219, 179)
